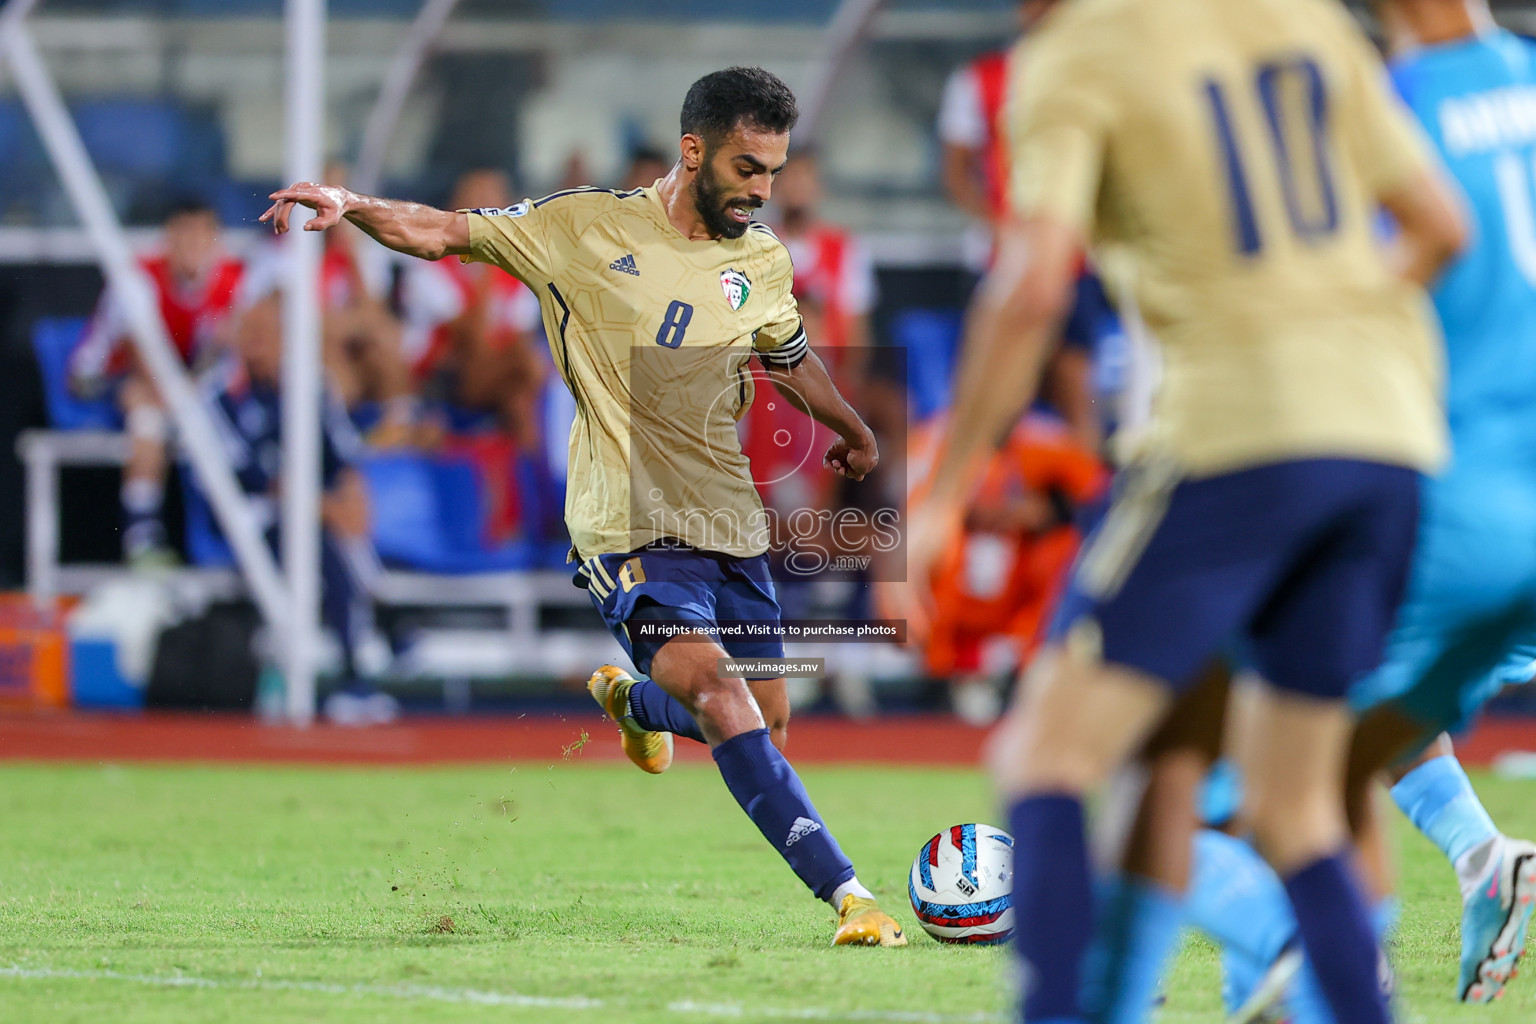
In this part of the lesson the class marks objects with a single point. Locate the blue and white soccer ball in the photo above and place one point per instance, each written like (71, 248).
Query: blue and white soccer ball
(961, 885)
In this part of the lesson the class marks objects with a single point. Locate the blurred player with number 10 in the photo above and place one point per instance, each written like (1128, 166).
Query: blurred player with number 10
(1235, 156)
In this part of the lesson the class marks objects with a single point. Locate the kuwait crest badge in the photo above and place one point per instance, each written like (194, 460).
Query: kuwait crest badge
(736, 287)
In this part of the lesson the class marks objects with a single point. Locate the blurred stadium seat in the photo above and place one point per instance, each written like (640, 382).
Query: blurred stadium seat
(153, 149)
(53, 339)
(428, 514)
(146, 138)
(206, 546)
(932, 340)
(25, 165)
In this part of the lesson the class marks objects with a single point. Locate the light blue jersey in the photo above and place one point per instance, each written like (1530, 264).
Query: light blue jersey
(1477, 100)
(1469, 621)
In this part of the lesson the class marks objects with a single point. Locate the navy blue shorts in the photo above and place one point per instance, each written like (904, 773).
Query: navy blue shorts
(716, 593)
(1299, 566)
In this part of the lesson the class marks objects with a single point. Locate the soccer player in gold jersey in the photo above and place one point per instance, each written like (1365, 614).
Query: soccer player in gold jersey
(1228, 159)
(654, 301)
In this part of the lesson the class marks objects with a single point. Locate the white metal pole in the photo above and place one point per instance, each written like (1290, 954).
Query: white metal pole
(42, 521)
(850, 24)
(13, 13)
(194, 424)
(305, 120)
(369, 170)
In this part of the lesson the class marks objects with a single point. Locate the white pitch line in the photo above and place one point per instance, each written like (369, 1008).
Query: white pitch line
(428, 992)
(822, 1013)
(479, 997)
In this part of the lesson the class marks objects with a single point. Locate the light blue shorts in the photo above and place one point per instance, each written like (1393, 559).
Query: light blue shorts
(1468, 625)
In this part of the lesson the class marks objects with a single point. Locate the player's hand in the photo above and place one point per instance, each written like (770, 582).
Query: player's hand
(932, 526)
(328, 201)
(854, 459)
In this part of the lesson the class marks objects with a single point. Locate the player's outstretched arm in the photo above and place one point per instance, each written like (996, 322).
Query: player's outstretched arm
(809, 388)
(411, 228)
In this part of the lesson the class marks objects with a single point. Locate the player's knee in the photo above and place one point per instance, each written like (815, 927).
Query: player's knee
(1293, 828)
(1027, 760)
(1042, 760)
(723, 707)
(1060, 770)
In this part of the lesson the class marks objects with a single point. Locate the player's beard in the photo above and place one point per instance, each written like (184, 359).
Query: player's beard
(709, 198)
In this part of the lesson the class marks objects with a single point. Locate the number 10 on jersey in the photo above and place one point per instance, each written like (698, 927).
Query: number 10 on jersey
(1293, 99)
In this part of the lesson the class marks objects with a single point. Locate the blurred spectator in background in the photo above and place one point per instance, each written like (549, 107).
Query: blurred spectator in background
(362, 338)
(834, 275)
(646, 164)
(999, 578)
(975, 173)
(473, 338)
(427, 298)
(472, 329)
(574, 172)
(971, 129)
(243, 391)
(195, 282)
(362, 342)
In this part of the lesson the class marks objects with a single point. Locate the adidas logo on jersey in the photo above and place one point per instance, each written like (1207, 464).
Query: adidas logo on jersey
(625, 264)
(800, 829)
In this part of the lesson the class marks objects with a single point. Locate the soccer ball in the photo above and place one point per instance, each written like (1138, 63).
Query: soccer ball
(961, 885)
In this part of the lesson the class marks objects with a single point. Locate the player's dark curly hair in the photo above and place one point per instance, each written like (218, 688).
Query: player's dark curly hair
(720, 101)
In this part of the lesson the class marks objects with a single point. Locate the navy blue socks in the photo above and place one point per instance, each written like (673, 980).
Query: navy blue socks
(1336, 931)
(768, 789)
(656, 710)
(1053, 903)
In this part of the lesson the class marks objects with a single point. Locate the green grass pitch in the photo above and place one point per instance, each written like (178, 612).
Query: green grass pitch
(536, 893)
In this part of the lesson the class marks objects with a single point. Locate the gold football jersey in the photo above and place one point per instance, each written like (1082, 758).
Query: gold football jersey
(652, 333)
(1232, 154)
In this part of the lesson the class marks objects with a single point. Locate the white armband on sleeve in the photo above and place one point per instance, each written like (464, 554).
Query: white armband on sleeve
(788, 355)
